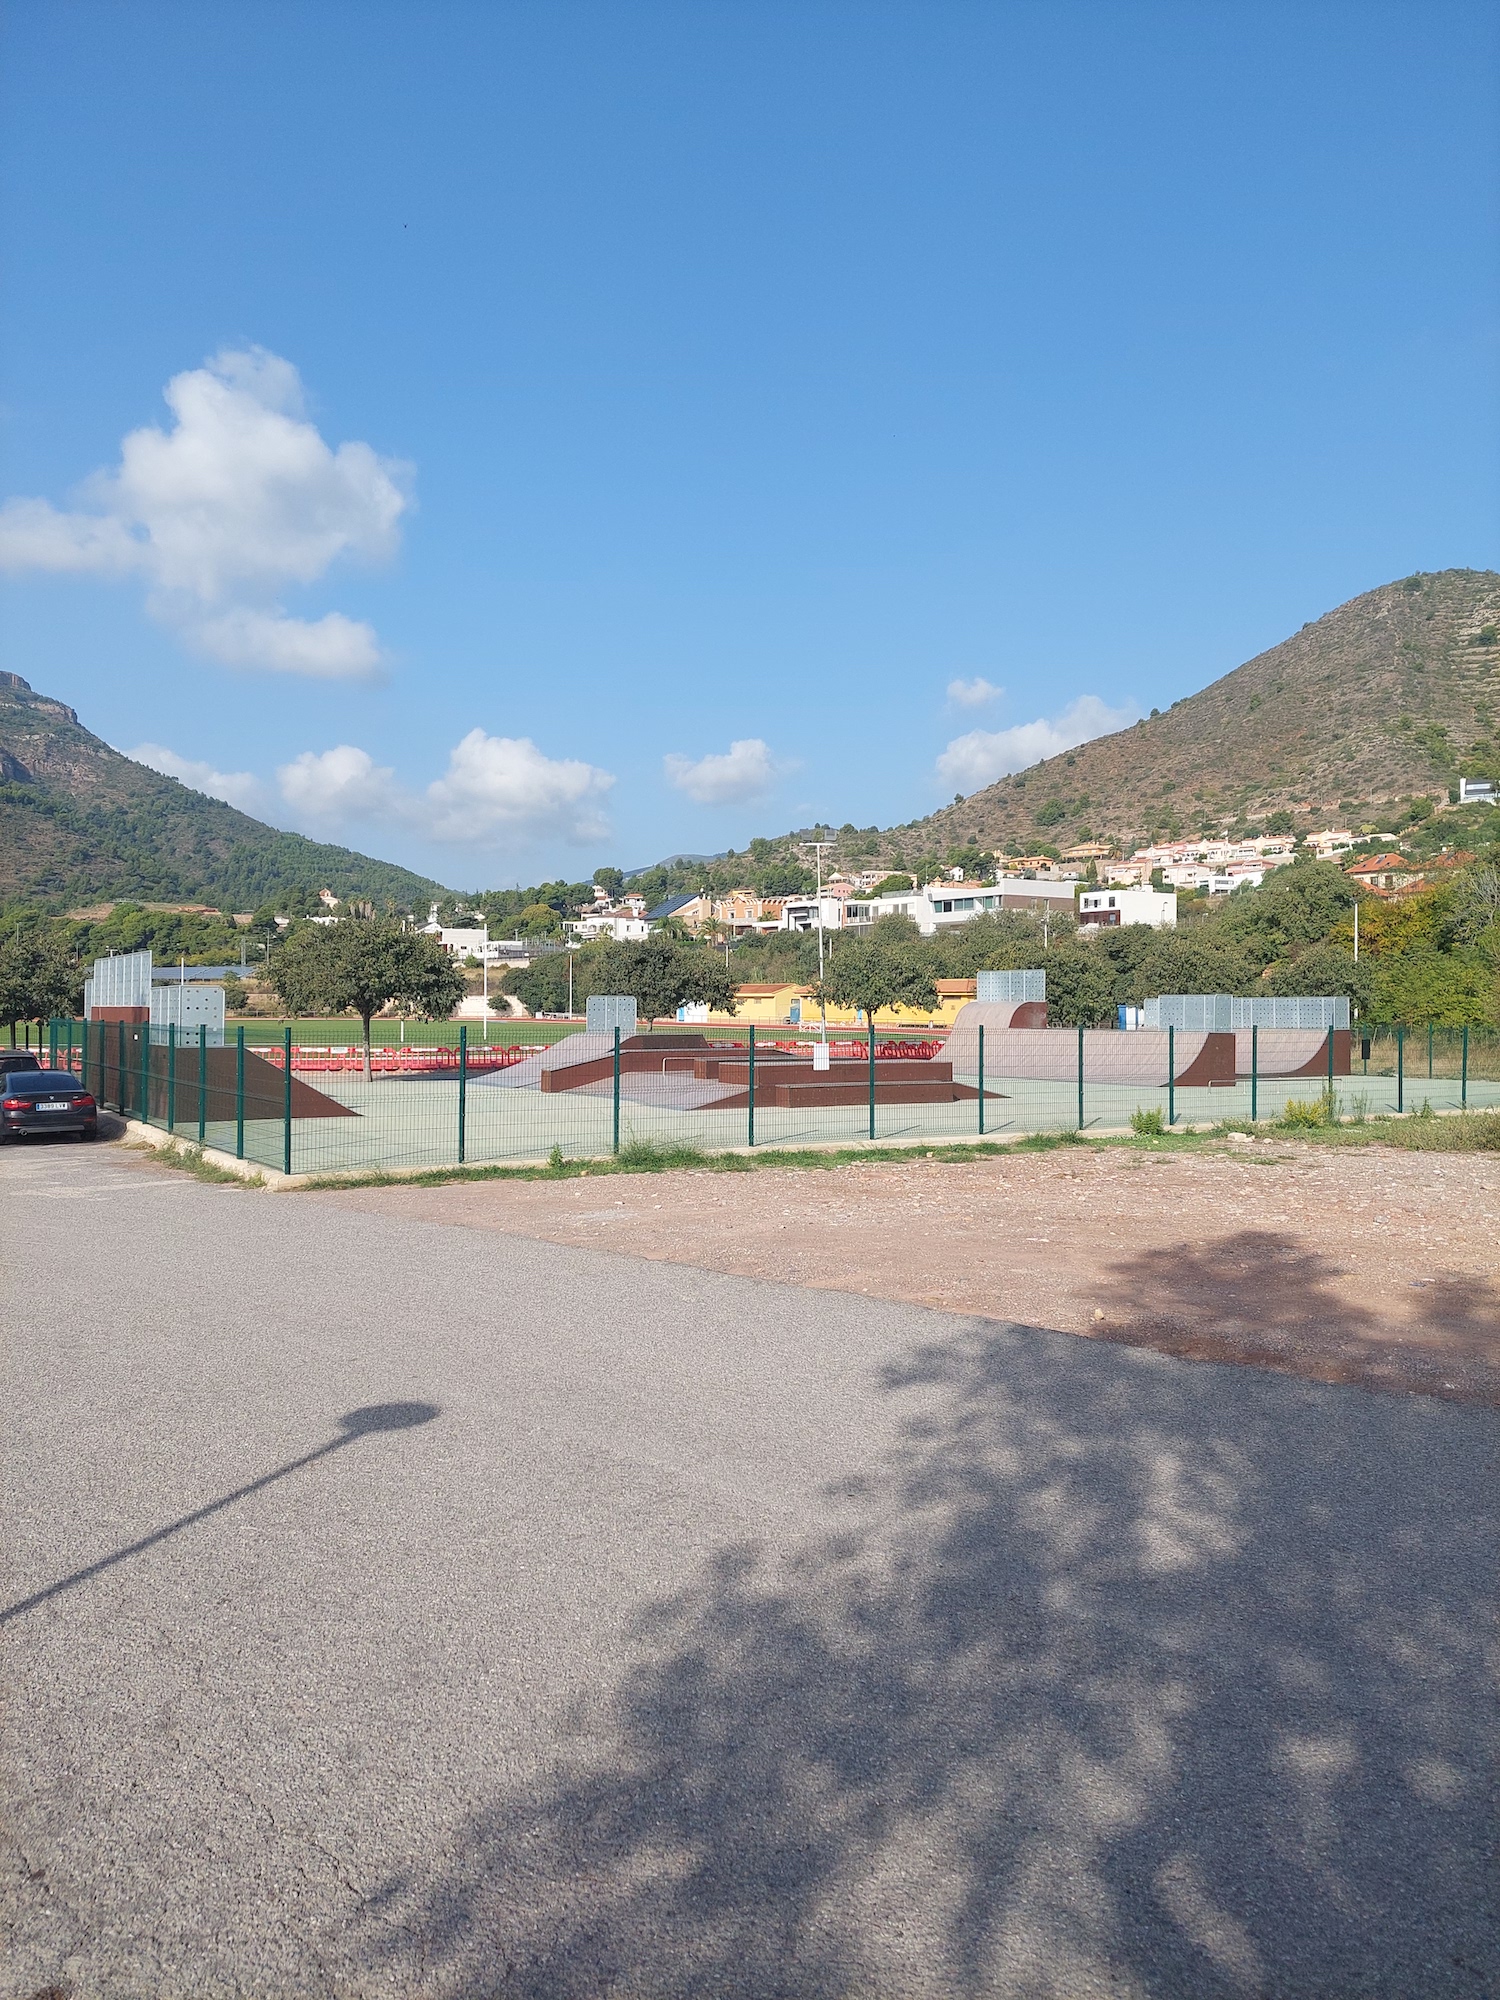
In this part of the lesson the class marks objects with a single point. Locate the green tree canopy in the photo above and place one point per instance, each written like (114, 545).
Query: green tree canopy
(360, 965)
(879, 971)
(663, 972)
(39, 976)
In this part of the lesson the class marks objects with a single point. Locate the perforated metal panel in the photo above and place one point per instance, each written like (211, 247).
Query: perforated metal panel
(1011, 986)
(1208, 1012)
(186, 1008)
(608, 1011)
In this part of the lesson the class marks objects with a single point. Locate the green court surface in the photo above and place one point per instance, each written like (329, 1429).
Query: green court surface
(402, 1122)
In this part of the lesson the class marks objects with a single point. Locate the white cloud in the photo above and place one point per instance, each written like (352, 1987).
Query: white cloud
(971, 762)
(504, 784)
(236, 788)
(325, 789)
(239, 500)
(494, 786)
(973, 694)
(332, 647)
(744, 771)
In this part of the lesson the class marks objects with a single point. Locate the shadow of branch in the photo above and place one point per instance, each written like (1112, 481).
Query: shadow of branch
(1111, 1676)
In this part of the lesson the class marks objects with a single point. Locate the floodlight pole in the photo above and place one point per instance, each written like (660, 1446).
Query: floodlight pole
(819, 847)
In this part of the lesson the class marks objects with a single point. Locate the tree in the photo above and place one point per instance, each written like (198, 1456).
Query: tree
(663, 973)
(610, 880)
(38, 976)
(1296, 905)
(360, 965)
(1080, 984)
(1476, 904)
(1322, 969)
(874, 972)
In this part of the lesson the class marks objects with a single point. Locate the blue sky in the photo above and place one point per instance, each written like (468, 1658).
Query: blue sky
(603, 431)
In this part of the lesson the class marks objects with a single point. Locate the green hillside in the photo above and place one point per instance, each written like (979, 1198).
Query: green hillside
(79, 824)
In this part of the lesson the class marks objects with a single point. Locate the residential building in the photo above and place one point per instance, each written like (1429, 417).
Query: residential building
(1386, 874)
(1478, 791)
(1128, 906)
(943, 904)
(693, 911)
(620, 926)
(1332, 840)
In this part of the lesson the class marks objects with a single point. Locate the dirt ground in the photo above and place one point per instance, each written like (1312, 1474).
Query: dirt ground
(1366, 1266)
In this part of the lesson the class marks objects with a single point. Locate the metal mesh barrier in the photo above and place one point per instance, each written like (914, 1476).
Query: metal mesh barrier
(435, 1095)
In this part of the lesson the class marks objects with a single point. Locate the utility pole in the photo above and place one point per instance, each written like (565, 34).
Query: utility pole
(1356, 933)
(819, 848)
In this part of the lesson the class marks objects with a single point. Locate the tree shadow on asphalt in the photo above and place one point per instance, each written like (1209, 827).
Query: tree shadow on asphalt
(1113, 1676)
(1262, 1298)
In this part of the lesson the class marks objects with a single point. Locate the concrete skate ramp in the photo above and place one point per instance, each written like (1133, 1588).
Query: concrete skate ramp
(527, 1075)
(1293, 1051)
(1140, 1057)
(995, 1017)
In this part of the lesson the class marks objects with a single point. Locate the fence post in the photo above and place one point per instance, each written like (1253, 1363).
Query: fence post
(1332, 1100)
(463, 1086)
(70, 1045)
(750, 1114)
(1429, 1051)
(981, 1083)
(1254, 1070)
(171, 1076)
(120, 1071)
(1080, 1078)
(1464, 1092)
(872, 1075)
(1171, 1076)
(239, 1092)
(1401, 1065)
(286, 1100)
(617, 1091)
(202, 1081)
(52, 1043)
(145, 1072)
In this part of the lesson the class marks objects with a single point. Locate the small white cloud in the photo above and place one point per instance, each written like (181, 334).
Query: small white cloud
(240, 499)
(744, 771)
(971, 762)
(504, 784)
(973, 694)
(330, 648)
(236, 788)
(494, 786)
(345, 783)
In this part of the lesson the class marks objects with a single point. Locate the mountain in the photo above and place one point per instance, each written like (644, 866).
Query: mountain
(1373, 704)
(79, 822)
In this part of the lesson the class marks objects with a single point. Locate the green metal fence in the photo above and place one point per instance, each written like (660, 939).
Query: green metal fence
(302, 1105)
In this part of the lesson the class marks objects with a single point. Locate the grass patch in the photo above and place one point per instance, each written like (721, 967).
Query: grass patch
(190, 1160)
(1469, 1132)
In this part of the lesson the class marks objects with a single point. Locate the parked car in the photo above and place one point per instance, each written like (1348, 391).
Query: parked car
(46, 1100)
(17, 1059)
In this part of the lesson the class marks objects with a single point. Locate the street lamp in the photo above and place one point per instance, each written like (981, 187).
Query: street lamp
(819, 847)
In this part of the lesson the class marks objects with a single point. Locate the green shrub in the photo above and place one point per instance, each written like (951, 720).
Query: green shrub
(1147, 1124)
(1305, 1114)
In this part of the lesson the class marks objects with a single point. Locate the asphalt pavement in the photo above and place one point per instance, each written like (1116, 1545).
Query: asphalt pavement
(400, 1609)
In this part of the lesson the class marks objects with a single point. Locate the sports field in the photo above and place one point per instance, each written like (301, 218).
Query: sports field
(413, 1121)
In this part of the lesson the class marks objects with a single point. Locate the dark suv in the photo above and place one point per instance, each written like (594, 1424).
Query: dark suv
(45, 1100)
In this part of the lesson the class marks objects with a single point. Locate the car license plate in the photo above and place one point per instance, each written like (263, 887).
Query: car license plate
(54, 1105)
